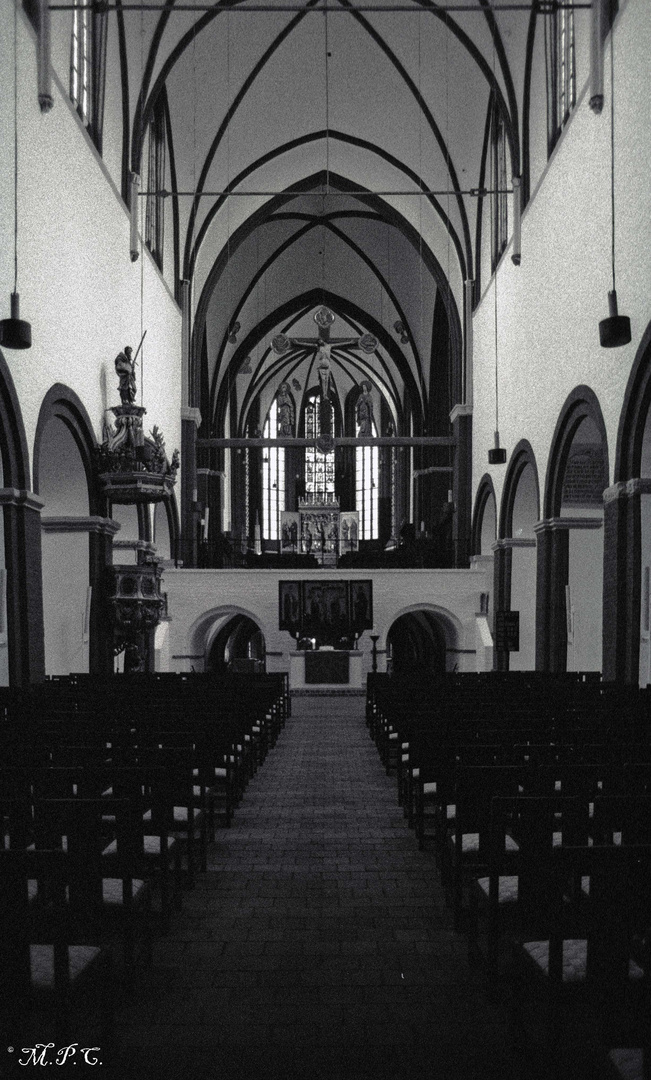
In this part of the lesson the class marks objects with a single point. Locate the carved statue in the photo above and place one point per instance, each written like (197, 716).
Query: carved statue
(285, 411)
(364, 410)
(323, 368)
(125, 367)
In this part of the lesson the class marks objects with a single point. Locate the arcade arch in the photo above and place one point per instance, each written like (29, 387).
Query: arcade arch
(74, 528)
(422, 640)
(515, 565)
(571, 540)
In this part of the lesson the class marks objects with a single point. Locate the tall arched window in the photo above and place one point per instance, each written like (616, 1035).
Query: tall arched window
(88, 66)
(561, 71)
(367, 473)
(273, 478)
(319, 468)
(155, 209)
(499, 201)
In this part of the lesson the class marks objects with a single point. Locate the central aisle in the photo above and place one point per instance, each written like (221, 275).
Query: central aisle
(318, 945)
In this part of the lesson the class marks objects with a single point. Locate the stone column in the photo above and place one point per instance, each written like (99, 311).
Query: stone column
(461, 418)
(622, 580)
(26, 644)
(190, 421)
(503, 557)
(552, 572)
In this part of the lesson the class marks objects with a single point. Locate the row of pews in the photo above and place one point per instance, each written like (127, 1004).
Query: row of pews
(110, 794)
(534, 792)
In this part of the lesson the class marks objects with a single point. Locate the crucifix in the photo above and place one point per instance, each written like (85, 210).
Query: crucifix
(323, 344)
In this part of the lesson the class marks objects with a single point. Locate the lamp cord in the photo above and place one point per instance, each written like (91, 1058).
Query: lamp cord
(612, 153)
(16, 146)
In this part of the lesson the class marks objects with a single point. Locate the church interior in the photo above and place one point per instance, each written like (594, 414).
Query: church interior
(325, 391)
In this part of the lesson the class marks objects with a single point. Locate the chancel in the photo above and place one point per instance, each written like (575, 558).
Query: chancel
(325, 545)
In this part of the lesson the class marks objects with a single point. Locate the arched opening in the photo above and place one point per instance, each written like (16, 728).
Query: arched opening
(520, 514)
(584, 481)
(645, 556)
(238, 645)
(484, 523)
(416, 644)
(570, 540)
(63, 486)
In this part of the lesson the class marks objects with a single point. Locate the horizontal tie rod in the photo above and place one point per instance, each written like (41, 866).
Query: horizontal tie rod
(164, 194)
(543, 6)
(383, 440)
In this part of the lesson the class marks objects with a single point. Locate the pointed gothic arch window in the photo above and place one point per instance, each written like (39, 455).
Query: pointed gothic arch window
(155, 209)
(88, 67)
(273, 478)
(499, 184)
(319, 468)
(367, 479)
(560, 61)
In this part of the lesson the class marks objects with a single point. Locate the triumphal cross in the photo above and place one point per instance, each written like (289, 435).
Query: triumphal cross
(322, 345)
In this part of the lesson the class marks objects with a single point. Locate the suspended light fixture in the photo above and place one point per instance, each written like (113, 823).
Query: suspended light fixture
(233, 331)
(616, 329)
(45, 98)
(516, 255)
(134, 247)
(596, 57)
(497, 454)
(15, 333)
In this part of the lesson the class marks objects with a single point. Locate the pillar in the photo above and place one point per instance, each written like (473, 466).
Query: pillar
(22, 521)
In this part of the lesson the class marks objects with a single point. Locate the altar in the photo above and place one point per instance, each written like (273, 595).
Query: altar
(322, 669)
(320, 528)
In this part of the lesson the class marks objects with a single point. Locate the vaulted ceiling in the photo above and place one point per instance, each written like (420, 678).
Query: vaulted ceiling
(327, 113)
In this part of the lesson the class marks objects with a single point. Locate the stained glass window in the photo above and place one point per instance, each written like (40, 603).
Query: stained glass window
(319, 468)
(273, 478)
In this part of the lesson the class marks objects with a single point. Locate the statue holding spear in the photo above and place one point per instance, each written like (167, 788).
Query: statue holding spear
(125, 367)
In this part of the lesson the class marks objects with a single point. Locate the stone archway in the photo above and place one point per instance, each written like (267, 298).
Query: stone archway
(627, 533)
(571, 540)
(21, 596)
(77, 538)
(515, 555)
(421, 640)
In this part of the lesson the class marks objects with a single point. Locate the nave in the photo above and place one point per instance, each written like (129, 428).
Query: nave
(318, 943)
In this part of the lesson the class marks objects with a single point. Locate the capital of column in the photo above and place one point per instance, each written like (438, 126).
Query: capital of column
(514, 542)
(561, 524)
(190, 413)
(460, 410)
(92, 524)
(20, 497)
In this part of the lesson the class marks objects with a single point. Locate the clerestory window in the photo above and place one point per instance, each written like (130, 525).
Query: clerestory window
(155, 208)
(88, 67)
(560, 64)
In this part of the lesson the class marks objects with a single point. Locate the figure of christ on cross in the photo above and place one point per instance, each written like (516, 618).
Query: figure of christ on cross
(323, 344)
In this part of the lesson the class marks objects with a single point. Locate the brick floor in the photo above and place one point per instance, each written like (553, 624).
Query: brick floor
(318, 944)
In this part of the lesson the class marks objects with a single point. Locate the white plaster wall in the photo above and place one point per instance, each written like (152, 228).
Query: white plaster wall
(523, 599)
(65, 567)
(78, 287)
(549, 307)
(585, 577)
(195, 594)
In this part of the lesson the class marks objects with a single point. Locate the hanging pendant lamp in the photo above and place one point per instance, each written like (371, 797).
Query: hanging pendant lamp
(616, 329)
(497, 454)
(15, 333)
